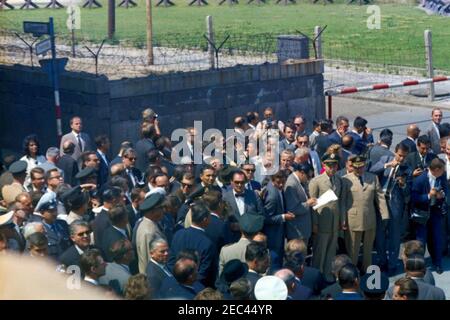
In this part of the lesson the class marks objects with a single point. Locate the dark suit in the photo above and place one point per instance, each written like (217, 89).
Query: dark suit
(155, 277)
(252, 204)
(411, 145)
(70, 167)
(70, 257)
(253, 185)
(274, 209)
(132, 216)
(195, 239)
(103, 170)
(414, 161)
(313, 279)
(397, 199)
(110, 235)
(219, 232)
(335, 138)
(100, 224)
(349, 296)
(253, 277)
(419, 198)
(359, 145)
(143, 146)
(137, 175)
(58, 238)
(322, 144)
(331, 291)
(171, 289)
(301, 292)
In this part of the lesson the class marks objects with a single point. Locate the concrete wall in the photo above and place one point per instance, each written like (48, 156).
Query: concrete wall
(114, 107)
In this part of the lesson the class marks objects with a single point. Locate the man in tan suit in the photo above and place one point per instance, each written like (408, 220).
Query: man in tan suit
(327, 220)
(363, 196)
(148, 229)
(19, 172)
(250, 225)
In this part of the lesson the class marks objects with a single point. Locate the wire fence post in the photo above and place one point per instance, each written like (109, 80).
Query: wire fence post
(210, 35)
(429, 62)
(149, 32)
(318, 39)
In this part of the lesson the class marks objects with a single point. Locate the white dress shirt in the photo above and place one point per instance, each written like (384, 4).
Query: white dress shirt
(240, 203)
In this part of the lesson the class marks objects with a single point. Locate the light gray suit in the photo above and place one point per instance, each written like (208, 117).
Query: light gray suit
(86, 142)
(233, 251)
(434, 137)
(295, 197)
(115, 271)
(145, 232)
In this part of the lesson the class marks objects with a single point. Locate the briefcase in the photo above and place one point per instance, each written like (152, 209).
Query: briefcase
(420, 216)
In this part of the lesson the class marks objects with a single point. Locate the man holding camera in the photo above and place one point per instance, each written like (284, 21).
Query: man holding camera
(428, 202)
(420, 160)
(395, 178)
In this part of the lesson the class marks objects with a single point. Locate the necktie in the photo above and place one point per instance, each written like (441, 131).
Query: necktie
(80, 145)
(390, 182)
(167, 271)
(130, 174)
(361, 181)
(239, 195)
(282, 200)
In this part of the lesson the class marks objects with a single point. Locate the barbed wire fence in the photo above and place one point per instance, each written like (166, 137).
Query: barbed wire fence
(347, 62)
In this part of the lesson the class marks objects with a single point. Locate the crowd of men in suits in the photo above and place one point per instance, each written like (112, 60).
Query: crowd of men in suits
(142, 225)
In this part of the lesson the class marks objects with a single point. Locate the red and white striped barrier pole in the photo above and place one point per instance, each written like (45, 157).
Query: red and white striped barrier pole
(379, 86)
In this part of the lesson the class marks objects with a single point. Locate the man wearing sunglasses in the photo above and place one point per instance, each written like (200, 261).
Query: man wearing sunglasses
(80, 234)
(133, 174)
(249, 170)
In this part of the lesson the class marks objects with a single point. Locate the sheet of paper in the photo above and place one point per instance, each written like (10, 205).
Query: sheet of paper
(325, 198)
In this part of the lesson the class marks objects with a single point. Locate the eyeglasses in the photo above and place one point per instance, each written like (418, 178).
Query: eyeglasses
(249, 170)
(85, 233)
(184, 185)
(132, 158)
(239, 182)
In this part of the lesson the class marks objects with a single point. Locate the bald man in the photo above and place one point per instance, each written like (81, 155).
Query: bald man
(412, 133)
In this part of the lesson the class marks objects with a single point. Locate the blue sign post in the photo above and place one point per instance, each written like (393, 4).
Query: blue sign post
(52, 66)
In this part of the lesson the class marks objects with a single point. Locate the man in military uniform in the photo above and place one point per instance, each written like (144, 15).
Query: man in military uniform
(152, 211)
(363, 197)
(18, 171)
(56, 230)
(328, 219)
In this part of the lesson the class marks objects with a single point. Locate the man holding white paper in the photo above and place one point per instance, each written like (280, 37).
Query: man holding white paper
(329, 217)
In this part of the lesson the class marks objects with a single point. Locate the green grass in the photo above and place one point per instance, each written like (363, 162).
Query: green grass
(398, 42)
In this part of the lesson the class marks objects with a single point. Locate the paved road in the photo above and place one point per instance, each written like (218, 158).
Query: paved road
(395, 117)
(385, 115)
